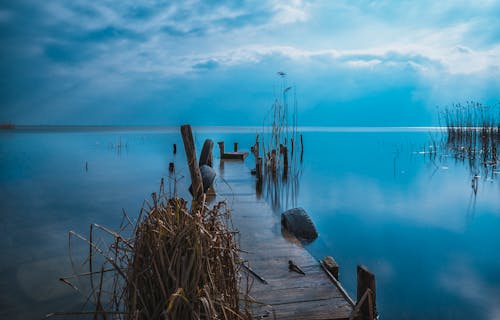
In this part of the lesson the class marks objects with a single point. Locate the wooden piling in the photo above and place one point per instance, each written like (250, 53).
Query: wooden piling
(171, 167)
(285, 158)
(256, 151)
(194, 169)
(366, 294)
(175, 148)
(332, 266)
(235, 148)
(221, 148)
(258, 168)
(301, 148)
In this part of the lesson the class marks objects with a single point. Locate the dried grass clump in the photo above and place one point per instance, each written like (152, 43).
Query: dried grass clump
(173, 263)
(184, 264)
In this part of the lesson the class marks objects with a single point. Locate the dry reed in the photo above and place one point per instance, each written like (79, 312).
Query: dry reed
(281, 145)
(176, 263)
(473, 135)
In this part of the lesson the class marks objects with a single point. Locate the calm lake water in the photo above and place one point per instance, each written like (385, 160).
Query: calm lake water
(414, 221)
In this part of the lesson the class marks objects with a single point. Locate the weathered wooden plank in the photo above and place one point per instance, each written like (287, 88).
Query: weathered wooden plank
(236, 155)
(287, 295)
(311, 310)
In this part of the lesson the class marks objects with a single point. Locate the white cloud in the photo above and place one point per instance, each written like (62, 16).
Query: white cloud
(424, 48)
(290, 12)
(170, 40)
(363, 63)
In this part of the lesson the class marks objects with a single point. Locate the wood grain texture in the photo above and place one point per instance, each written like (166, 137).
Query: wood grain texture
(287, 295)
(194, 169)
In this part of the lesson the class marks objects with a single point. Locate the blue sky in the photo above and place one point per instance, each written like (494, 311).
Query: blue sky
(145, 62)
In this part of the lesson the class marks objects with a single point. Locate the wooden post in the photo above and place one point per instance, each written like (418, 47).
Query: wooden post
(258, 171)
(285, 158)
(171, 167)
(258, 168)
(332, 266)
(175, 148)
(221, 148)
(256, 151)
(366, 281)
(301, 149)
(235, 147)
(194, 169)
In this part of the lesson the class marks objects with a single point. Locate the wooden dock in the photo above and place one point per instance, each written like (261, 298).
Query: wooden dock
(234, 155)
(287, 295)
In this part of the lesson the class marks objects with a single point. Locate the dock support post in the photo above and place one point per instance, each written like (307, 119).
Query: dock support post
(175, 148)
(235, 147)
(366, 295)
(221, 148)
(194, 169)
(258, 168)
(332, 266)
(284, 151)
(301, 148)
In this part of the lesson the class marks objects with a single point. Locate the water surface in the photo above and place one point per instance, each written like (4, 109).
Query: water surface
(415, 221)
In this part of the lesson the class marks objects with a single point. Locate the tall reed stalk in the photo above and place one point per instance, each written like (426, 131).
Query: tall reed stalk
(281, 146)
(473, 135)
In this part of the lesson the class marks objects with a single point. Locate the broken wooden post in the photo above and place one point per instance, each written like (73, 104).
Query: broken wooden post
(332, 266)
(366, 292)
(206, 156)
(194, 169)
(221, 148)
(235, 147)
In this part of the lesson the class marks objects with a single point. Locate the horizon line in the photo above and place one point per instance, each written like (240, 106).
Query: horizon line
(212, 128)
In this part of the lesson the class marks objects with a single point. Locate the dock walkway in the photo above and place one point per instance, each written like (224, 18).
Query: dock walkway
(287, 295)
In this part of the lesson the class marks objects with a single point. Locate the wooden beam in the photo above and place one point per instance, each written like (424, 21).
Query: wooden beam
(194, 169)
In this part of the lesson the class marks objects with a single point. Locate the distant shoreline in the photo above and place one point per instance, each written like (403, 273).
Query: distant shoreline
(222, 129)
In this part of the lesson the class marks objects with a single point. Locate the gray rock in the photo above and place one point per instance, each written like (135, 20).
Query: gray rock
(298, 223)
